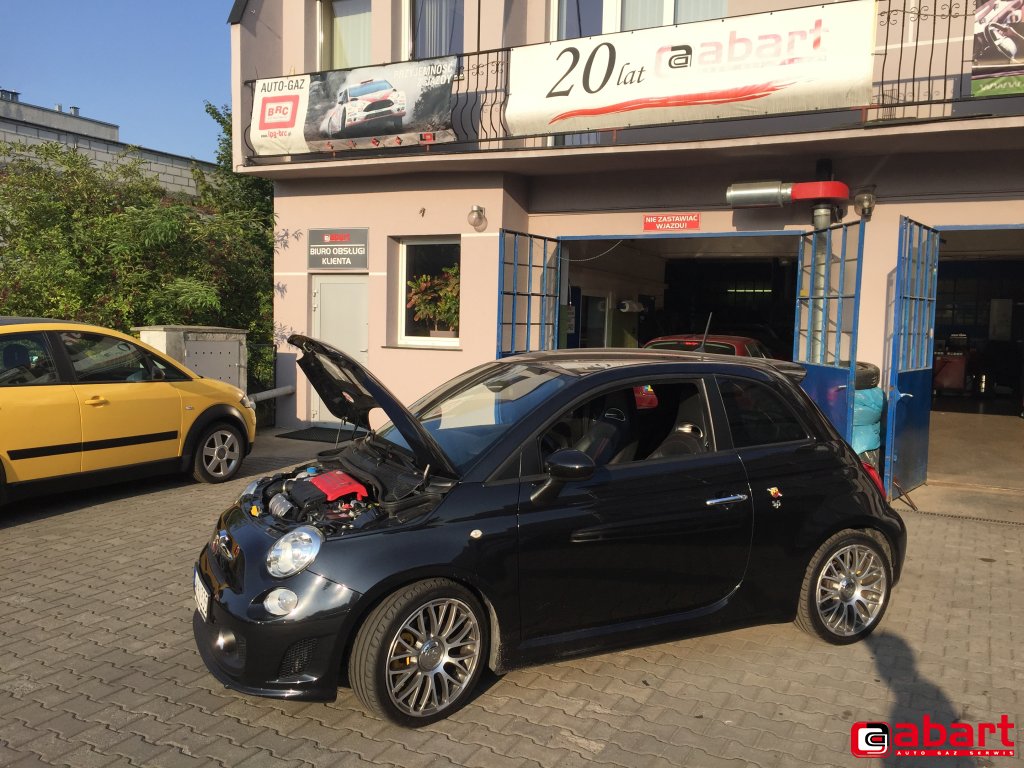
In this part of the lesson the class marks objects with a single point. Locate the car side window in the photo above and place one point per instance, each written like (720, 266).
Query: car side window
(25, 360)
(757, 415)
(165, 371)
(100, 359)
(642, 422)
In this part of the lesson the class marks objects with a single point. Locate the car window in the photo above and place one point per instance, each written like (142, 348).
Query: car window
(100, 359)
(757, 415)
(472, 416)
(169, 372)
(25, 360)
(645, 421)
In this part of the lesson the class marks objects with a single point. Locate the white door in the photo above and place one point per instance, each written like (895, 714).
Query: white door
(340, 317)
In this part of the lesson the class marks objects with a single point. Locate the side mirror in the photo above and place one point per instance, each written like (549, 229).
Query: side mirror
(563, 466)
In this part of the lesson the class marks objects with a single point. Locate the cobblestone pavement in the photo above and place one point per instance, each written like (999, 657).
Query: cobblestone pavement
(98, 667)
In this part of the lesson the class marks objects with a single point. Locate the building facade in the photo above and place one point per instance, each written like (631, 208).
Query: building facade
(541, 154)
(23, 122)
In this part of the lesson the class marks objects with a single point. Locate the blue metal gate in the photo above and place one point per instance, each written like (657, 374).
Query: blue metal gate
(828, 305)
(910, 365)
(529, 283)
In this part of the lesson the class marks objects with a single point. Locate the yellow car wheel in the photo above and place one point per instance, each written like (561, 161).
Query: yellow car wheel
(219, 454)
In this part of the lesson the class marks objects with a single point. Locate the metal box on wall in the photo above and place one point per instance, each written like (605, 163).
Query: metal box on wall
(212, 352)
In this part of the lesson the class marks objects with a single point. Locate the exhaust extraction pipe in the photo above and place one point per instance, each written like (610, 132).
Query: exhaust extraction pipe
(775, 194)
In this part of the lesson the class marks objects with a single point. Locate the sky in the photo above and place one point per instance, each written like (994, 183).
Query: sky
(145, 66)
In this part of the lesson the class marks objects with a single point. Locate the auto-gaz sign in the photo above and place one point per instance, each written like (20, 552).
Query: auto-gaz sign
(343, 249)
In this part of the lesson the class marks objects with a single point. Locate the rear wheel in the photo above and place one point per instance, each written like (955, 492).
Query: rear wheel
(419, 654)
(846, 587)
(218, 455)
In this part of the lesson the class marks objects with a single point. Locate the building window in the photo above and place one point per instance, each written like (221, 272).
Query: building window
(436, 28)
(344, 34)
(582, 18)
(429, 292)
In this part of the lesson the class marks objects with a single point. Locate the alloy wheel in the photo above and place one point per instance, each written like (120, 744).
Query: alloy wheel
(851, 590)
(221, 453)
(432, 657)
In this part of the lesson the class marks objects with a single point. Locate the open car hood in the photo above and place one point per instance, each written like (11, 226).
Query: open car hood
(350, 392)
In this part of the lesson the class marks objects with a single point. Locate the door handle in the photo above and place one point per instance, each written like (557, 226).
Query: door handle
(727, 499)
(97, 400)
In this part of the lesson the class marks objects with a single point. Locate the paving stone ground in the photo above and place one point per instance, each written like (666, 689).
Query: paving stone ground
(98, 666)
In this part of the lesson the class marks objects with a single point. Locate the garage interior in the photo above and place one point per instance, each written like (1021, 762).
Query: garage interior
(748, 285)
(977, 433)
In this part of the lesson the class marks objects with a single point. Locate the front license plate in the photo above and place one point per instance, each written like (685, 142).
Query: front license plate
(202, 597)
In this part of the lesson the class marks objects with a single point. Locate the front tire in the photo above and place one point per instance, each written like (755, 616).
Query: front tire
(420, 653)
(218, 455)
(846, 588)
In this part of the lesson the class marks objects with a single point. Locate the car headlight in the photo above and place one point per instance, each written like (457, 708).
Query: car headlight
(294, 551)
(248, 402)
(250, 489)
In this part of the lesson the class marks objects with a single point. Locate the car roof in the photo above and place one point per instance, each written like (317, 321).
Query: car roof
(585, 362)
(12, 320)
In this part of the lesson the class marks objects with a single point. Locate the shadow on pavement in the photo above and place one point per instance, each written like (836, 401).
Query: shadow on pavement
(915, 697)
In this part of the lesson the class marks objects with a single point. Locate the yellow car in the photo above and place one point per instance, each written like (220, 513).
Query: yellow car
(89, 405)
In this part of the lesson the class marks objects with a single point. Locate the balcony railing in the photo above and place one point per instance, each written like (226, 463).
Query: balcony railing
(922, 71)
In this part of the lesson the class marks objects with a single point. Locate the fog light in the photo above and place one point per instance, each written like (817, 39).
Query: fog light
(226, 641)
(281, 602)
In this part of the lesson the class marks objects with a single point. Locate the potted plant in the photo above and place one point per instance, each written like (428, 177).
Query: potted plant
(434, 299)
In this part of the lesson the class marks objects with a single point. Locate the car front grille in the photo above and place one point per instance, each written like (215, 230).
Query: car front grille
(385, 104)
(297, 658)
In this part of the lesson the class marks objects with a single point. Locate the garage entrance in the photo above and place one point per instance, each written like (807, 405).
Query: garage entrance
(977, 433)
(625, 292)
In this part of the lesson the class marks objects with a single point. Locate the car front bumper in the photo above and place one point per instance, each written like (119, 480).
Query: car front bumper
(278, 657)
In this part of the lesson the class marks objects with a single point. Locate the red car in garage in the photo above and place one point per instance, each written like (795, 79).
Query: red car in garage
(741, 346)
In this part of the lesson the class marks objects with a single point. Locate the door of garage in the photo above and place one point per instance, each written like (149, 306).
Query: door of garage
(828, 305)
(529, 291)
(910, 363)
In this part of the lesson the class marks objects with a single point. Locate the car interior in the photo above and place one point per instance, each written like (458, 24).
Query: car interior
(650, 421)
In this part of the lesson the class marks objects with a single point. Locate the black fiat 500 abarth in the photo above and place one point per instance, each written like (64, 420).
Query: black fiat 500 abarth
(535, 507)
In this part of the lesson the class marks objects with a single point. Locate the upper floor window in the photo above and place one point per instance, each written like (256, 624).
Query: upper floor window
(436, 28)
(582, 18)
(344, 34)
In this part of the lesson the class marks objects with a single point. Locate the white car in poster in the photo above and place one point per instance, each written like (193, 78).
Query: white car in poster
(371, 102)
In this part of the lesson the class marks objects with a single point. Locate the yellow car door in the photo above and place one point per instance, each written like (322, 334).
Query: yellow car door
(129, 414)
(40, 427)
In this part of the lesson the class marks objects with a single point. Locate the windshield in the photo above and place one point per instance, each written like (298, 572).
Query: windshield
(469, 418)
(365, 88)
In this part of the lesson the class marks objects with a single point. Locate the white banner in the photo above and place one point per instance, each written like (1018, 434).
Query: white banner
(391, 105)
(798, 60)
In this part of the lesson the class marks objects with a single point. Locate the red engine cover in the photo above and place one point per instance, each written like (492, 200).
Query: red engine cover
(337, 484)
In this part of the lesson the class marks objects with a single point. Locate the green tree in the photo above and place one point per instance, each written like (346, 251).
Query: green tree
(105, 244)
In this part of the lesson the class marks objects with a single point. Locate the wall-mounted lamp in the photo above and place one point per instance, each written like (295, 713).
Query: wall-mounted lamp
(864, 203)
(477, 218)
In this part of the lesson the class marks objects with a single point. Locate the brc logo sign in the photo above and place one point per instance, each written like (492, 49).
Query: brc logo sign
(278, 112)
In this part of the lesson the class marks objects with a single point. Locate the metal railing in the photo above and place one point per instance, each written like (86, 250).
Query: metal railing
(922, 71)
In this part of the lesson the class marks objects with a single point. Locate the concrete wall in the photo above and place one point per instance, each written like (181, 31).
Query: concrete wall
(173, 172)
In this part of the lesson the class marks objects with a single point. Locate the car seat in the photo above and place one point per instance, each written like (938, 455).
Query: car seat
(612, 437)
(686, 437)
